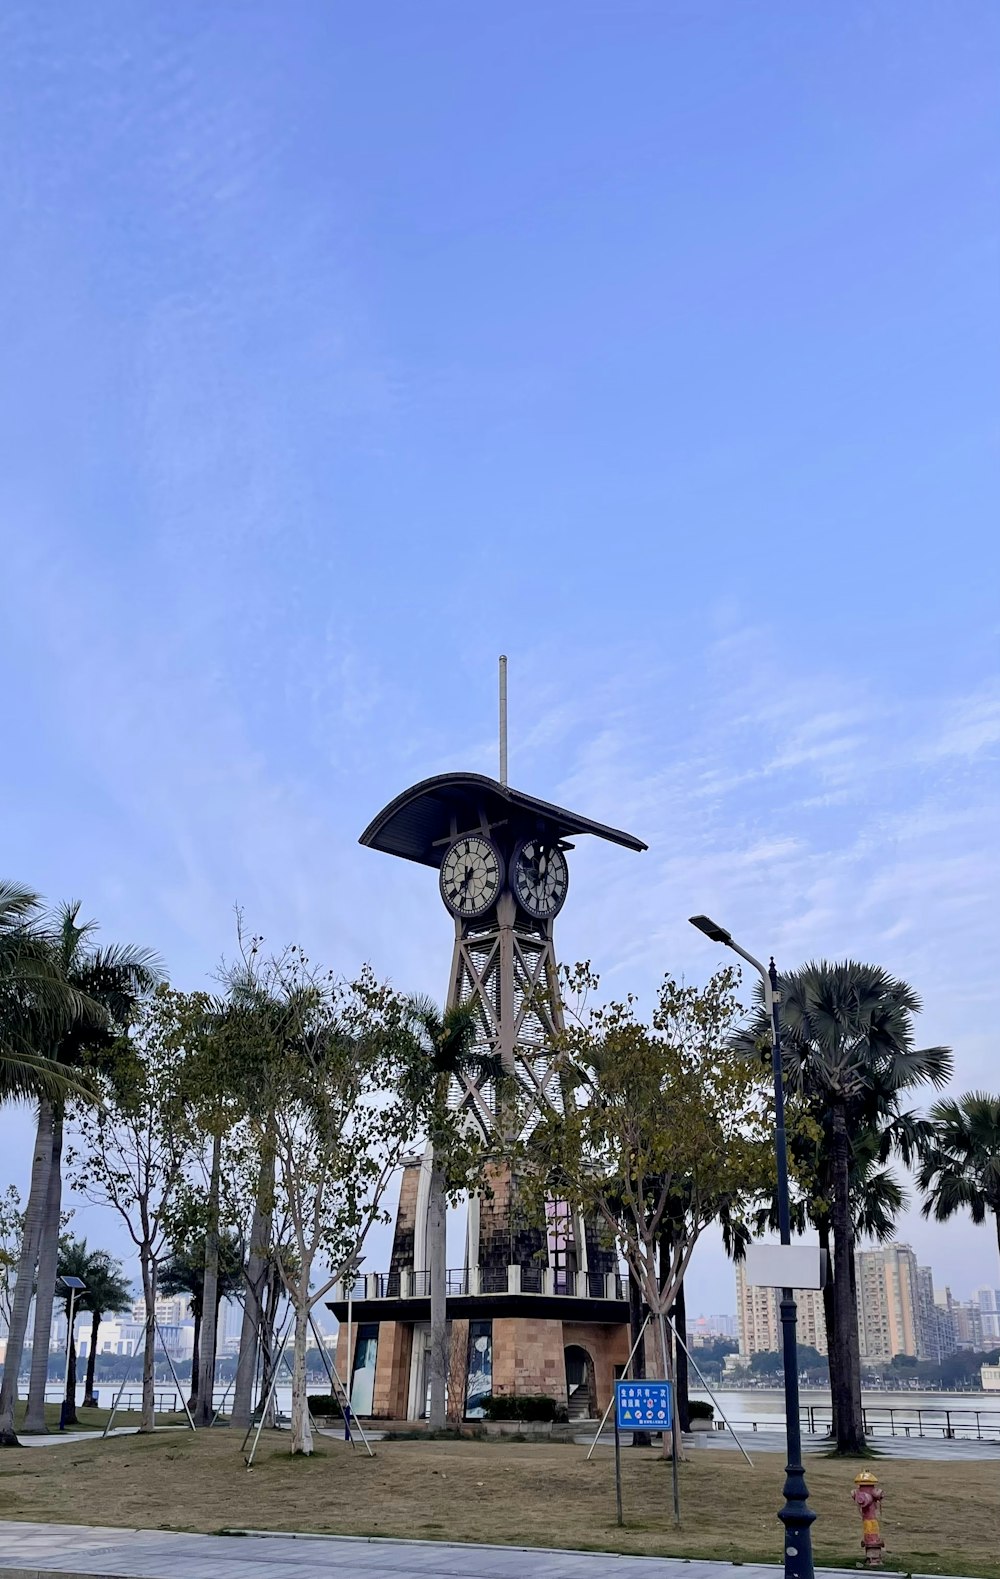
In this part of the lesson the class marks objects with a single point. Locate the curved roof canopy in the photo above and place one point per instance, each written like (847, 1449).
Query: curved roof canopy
(418, 823)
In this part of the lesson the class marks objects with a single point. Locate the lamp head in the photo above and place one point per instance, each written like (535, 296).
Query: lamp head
(711, 929)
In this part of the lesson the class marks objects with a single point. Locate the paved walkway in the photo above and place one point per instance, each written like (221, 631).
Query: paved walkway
(30, 1549)
(936, 1448)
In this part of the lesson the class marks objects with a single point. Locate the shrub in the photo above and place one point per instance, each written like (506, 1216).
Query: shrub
(698, 1409)
(526, 1406)
(325, 1404)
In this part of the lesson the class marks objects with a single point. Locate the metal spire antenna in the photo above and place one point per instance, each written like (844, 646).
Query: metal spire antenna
(503, 718)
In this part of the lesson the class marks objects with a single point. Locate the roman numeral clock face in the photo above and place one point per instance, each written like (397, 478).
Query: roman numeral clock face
(471, 875)
(539, 878)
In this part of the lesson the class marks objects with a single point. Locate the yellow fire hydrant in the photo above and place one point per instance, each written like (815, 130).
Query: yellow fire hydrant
(867, 1494)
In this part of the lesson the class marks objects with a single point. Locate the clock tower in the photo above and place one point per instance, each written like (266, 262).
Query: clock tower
(533, 1309)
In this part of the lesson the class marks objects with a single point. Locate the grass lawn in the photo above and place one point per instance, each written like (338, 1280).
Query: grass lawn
(940, 1517)
(93, 1419)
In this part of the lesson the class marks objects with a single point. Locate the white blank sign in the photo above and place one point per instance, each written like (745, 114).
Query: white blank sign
(785, 1266)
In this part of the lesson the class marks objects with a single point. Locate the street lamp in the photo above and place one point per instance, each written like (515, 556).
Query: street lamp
(796, 1515)
(76, 1286)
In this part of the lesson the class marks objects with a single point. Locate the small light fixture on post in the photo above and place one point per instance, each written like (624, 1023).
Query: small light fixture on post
(76, 1286)
(796, 1515)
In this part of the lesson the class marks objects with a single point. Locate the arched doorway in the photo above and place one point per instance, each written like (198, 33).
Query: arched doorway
(581, 1393)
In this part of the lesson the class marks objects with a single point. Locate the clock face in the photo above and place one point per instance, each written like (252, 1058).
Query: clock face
(471, 875)
(539, 877)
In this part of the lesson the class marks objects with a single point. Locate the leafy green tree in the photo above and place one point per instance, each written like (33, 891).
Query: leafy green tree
(260, 1027)
(662, 1123)
(133, 1151)
(960, 1169)
(341, 1100)
(848, 1055)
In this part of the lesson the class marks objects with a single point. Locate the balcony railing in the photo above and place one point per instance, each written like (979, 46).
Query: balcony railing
(531, 1279)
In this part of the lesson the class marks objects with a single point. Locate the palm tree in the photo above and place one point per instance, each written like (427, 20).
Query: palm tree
(33, 996)
(450, 1043)
(74, 1261)
(960, 1169)
(108, 1294)
(848, 1054)
(184, 1273)
(37, 1007)
(108, 983)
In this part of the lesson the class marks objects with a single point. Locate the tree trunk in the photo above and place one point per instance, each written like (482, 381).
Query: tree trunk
(196, 1309)
(148, 1419)
(636, 1316)
(26, 1263)
(253, 1305)
(45, 1289)
(681, 1361)
(89, 1401)
(850, 1421)
(69, 1412)
(437, 1260)
(830, 1321)
(302, 1437)
(672, 1445)
(209, 1297)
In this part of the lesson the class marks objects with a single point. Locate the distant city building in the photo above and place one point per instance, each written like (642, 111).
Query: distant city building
(171, 1311)
(931, 1329)
(706, 1328)
(127, 1337)
(759, 1321)
(990, 1375)
(967, 1322)
(988, 1300)
(889, 1304)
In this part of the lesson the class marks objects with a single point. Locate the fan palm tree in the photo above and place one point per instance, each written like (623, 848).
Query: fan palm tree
(74, 1261)
(184, 1273)
(109, 1293)
(108, 983)
(848, 1053)
(35, 1003)
(960, 1169)
(38, 1006)
(449, 1040)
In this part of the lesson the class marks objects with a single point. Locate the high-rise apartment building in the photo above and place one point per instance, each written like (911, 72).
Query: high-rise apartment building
(889, 1304)
(760, 1321)
(988, 1300)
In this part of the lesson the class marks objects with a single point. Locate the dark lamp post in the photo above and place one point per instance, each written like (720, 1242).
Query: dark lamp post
(796, 1515)
(76, 1286)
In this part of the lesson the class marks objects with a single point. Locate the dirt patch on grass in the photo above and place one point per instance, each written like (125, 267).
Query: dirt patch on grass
(939, 1517)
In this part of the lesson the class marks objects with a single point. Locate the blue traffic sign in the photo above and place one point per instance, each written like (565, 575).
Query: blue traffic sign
(643, 1406)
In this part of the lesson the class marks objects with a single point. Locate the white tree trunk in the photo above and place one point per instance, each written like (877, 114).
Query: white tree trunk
(27, 1261)
(254, 1286)
(437, 1256)
(45, 1287)
(302, 1437)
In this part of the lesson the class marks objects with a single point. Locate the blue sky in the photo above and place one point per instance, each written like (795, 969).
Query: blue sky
(653, 344)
